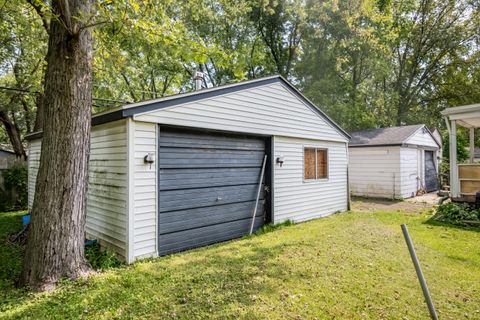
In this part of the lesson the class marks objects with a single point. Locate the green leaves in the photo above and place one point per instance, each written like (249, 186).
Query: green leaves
(456, 213)
(367, 63)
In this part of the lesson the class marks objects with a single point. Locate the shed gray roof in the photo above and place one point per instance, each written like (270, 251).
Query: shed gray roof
(383, 136)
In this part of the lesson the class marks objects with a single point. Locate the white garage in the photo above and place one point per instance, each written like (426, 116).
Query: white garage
(185, 171)
(394, 162)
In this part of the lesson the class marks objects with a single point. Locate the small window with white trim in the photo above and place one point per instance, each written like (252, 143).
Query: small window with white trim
(315, 163)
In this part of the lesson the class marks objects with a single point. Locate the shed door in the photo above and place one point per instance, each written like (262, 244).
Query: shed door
(431, 182)
(208, 185)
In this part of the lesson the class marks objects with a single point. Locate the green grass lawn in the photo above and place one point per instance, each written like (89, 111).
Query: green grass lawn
(347, 266)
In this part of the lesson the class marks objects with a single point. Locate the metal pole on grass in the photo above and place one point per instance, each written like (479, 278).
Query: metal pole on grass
(258, 194)
(420, 276)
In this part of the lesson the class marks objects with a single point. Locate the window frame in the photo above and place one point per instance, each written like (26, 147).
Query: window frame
(327, 176)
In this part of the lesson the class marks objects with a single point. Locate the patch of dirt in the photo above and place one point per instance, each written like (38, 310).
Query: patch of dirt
(371, 204)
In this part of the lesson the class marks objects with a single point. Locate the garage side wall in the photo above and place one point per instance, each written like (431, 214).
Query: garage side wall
(299, 200)
(34, 150)
(144, 190)
(107, 189)
(375, 172)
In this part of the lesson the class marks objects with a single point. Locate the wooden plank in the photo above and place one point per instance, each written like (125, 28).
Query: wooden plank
(469, 172)
(469, 186)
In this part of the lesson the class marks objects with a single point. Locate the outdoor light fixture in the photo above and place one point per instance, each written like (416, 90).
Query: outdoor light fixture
(149, 159)
(280, 160)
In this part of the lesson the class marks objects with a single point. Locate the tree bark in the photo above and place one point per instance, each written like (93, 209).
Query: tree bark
(39, 116)
(55, 247)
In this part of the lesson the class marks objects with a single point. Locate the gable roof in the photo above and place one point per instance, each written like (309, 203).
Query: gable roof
(179, 99)
(391, 136)
(132, 109)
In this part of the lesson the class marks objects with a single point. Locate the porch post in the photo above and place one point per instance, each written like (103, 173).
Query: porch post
(472, 145)
(454, 182)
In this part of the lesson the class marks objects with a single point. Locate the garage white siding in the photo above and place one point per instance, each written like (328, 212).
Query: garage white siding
(34, 150)
(144, 190)
(411, 169)
(297, 200)
(422, 138)
(108, 188)
(269, 110)
(375, 171)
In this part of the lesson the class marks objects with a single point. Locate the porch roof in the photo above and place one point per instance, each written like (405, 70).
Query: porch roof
(467, 116)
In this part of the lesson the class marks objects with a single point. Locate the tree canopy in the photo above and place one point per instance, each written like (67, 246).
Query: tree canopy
(366, 63)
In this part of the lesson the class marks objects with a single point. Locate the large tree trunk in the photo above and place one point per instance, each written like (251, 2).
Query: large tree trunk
(55, 247)
(14, 136)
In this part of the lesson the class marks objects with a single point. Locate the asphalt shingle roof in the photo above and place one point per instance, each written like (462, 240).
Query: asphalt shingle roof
(383, 136)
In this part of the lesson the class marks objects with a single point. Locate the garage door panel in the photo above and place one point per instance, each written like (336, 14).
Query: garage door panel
(208, 186)
(208, 153)
(193, 178)
(202, 197)
(173, 221)
(202, 159)
(208, 141)
(178, 241)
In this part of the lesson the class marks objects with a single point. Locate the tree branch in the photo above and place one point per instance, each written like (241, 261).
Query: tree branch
(41, 14)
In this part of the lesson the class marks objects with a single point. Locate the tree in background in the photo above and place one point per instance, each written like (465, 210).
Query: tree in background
(429, 37)
(367, 63)
(344, 67)
(280, 26)
(22, 53)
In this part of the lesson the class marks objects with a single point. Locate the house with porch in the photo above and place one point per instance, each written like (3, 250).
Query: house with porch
(464, 177)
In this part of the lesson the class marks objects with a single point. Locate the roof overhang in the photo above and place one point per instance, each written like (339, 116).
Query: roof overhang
(467, 116)
(402, 145)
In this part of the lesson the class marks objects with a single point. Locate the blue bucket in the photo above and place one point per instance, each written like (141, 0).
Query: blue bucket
(26, 219)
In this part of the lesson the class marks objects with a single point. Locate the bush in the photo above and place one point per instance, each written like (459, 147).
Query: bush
(101, 259)
(456, 213)
(16, 185)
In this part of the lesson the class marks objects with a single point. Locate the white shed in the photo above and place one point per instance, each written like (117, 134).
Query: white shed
(393, 162)
(208, 148)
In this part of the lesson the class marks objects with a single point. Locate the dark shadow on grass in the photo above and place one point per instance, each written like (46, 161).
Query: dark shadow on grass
(11, 257)
(10, 254)
(436, 223)
(229, 274)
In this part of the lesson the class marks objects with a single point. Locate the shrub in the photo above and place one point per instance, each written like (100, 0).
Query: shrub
(456, 213)
(16, 183)
(101, 259)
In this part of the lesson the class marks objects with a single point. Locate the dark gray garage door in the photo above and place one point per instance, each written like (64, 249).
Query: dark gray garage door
(431, 181)
(208, 184)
